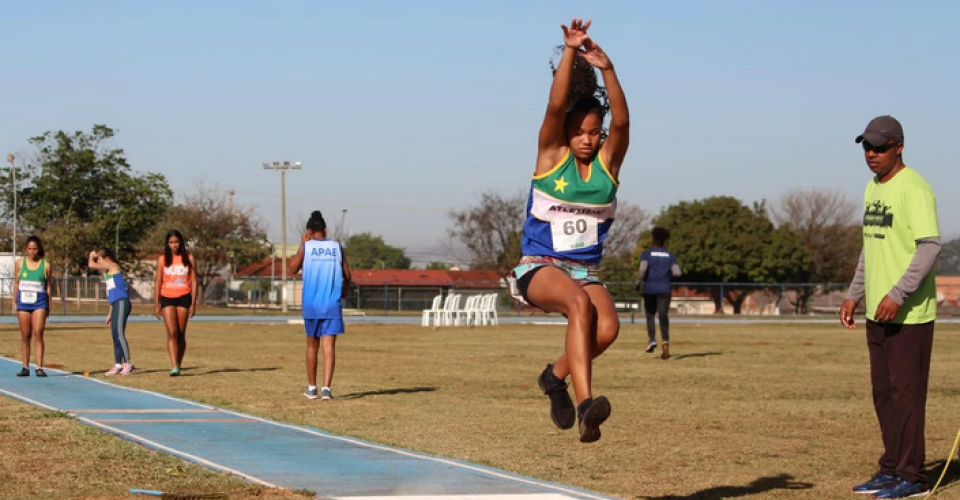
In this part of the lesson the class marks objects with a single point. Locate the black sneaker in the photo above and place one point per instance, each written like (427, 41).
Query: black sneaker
(593, 412)
(876, 483)
(561, 406)
(24, 372)
(40, 372)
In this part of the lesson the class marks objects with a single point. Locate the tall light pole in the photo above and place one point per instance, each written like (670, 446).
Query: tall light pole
(13, 172)
(116, 240)
(342, 234)
(283, 167)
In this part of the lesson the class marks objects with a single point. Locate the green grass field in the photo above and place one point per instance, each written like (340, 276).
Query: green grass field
(740, 411)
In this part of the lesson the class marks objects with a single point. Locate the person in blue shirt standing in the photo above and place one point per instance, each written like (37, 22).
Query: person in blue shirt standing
(658, 267)
(326, 277)
(105, 260)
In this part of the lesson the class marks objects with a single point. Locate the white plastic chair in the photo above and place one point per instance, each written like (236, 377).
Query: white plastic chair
(432, 313)
(479, 314)
(450, 309)
(463, 315)
(476, 313)
(488, 312)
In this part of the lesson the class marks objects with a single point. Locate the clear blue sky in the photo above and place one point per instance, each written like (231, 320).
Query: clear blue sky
(402, 110)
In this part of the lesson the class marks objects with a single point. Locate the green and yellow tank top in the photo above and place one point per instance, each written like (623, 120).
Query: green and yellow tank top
(32, 286)
(569, 216)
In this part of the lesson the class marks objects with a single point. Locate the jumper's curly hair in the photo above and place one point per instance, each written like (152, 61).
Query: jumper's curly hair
(586, 93)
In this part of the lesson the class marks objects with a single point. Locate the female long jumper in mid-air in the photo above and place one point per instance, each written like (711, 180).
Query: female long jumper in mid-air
(569, 212)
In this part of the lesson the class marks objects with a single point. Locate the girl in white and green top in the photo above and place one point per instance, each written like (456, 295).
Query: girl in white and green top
(32, 303)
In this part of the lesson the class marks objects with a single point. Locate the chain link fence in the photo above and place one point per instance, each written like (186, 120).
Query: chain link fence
(78, 296)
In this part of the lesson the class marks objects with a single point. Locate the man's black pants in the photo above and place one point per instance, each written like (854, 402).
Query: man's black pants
(899, 372)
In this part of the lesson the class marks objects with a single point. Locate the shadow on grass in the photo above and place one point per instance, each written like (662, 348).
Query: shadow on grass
(230, 370)
(388, 392)
(697, 355)
(761, 485)
(138, 371)
(935, 469)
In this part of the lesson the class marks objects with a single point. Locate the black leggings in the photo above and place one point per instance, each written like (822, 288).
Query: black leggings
(652, 303)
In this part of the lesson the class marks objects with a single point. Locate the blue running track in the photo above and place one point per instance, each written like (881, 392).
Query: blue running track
(271, 453)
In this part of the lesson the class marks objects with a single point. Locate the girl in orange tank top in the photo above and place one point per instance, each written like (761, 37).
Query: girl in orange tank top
(176, 278)
(176, 295)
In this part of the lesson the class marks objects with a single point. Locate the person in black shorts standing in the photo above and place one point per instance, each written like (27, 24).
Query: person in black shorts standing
(175, 295)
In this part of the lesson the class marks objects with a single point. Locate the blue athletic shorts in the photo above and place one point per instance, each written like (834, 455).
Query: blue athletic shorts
(321, 327)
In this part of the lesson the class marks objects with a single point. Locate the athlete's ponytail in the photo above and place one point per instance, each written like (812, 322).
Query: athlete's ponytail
(586, 93)
(316, 222)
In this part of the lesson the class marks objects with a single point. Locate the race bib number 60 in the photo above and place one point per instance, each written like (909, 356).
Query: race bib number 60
(574, 234)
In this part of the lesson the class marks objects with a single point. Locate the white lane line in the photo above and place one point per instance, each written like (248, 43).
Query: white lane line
(153, 444)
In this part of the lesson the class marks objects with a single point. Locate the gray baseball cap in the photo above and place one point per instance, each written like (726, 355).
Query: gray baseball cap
(881, 130)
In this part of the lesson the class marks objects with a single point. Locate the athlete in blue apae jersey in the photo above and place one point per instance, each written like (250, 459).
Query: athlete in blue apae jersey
(326, 277)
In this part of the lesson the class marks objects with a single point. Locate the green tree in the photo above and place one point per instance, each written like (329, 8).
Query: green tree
(619, 272)
(948, 263)
(826, 223)
(491, 231)
(220, 240)
(78, 192)
(721, 240)
(366, 251)
(437, 266)
(621, 250)
(785, 259)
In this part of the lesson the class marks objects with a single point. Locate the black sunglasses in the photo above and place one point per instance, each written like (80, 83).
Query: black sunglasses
(879, 149)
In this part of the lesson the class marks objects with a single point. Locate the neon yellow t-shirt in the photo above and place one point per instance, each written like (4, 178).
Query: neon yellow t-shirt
(897, 213)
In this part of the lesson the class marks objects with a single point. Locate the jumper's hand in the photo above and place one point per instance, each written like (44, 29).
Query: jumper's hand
(596, 56)
(576, 35)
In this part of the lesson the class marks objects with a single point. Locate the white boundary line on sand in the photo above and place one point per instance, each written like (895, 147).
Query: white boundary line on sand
(354, 441)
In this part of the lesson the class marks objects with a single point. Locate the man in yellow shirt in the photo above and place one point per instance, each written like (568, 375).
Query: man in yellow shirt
(901, 242)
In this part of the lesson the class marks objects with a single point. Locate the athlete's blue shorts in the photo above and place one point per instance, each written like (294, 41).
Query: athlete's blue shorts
(321, 327)
(40, 301)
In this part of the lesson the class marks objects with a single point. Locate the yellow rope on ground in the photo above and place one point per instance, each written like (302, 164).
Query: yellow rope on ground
(945, 465)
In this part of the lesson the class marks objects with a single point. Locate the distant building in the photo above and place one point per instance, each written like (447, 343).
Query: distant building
(387, 289)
